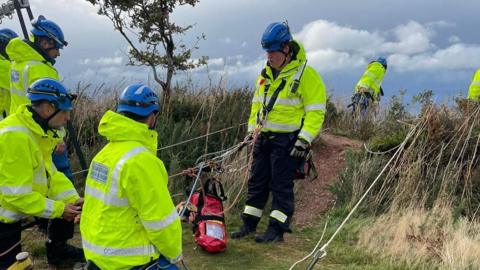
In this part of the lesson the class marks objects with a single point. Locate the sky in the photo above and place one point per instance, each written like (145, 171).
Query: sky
(429, 44)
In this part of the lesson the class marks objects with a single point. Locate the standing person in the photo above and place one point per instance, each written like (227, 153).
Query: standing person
(31, 60)
(30, 185)
(474, 90)
(5, 36)
(371, 80)
(129, 220)
(289, 103)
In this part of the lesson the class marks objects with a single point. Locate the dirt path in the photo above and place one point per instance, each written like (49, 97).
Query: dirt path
(314, 198)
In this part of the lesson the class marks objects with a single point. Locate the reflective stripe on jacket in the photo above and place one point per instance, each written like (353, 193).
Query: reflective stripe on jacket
(30, 185)
(303, 109)
(27, 66)
(128, 216)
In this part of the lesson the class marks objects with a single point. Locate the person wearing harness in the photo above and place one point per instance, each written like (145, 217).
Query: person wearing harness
(288, 107)
(33, 59)
(30, 185)
(371, 80)
(5, 36)
(129, 220)
(474, 90)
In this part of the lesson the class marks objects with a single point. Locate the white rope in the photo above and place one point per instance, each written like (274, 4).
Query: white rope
(184, 142)
(379, 152)
(322, 251)
(314, 249)
(199, 137)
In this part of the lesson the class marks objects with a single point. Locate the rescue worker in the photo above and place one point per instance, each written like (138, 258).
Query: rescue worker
(288, 125)
(128, 218)
(30, 185)
(371, 80)
(5, 36)
(474, 90)
(31, 60)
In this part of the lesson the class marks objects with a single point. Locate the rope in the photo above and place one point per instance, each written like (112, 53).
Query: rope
(314, 249)
(183, 142)
(320, 253)
(255, 135)
(10, 249)
(199, 137)
(379, 153)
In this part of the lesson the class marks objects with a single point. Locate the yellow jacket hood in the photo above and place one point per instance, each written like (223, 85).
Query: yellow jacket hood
(116, 127)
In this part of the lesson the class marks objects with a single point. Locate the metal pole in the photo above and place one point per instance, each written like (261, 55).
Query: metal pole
(78, 149)
(20, 18)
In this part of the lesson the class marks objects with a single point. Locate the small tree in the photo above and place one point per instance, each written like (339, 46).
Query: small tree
(154, 42)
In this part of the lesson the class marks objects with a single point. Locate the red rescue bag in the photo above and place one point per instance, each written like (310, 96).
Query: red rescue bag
(205, 211)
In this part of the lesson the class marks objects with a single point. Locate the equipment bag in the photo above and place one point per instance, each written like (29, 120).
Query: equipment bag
(205, 211)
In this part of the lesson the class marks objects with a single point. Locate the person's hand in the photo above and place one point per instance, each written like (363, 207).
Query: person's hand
(60, 148)
(77, 218)
(71, 211)
(79, 202)
(300, 149)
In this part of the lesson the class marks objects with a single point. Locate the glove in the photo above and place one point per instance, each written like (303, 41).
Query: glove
(300, 149)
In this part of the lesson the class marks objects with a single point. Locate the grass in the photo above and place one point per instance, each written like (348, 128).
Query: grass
(246, 254)
(242, 254)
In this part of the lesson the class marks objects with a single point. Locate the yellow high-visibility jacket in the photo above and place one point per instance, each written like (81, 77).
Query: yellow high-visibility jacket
(27, 66)
(128, 216)
(372, 79)
(474, 90)
(30, 185)
(4, 87)
(301, 109)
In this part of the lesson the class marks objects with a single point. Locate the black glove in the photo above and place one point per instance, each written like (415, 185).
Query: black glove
(300, 149)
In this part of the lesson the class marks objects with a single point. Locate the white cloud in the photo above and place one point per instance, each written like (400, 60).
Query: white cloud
(216, 62)
(457, 56)
(323, 34)
(411, 38)
(226, 40)
(108, 61)
(440, 23)
(408, 47)
(102, 61)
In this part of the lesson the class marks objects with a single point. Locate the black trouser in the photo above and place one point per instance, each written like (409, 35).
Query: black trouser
(273, 170)
(58, 230)
(10, 234)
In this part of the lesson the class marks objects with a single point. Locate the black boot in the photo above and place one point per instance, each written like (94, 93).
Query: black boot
(245, 230)
(59, 253)
(272, 234)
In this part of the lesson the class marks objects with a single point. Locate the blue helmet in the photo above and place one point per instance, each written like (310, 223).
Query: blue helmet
(382, 61)
(51, 90)
(138, 99)
(47, 28)
(6, 35)
(276, 36)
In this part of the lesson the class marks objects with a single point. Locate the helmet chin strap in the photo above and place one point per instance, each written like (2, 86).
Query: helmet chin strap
(285, 59)
(286, 54)
(51, 116)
